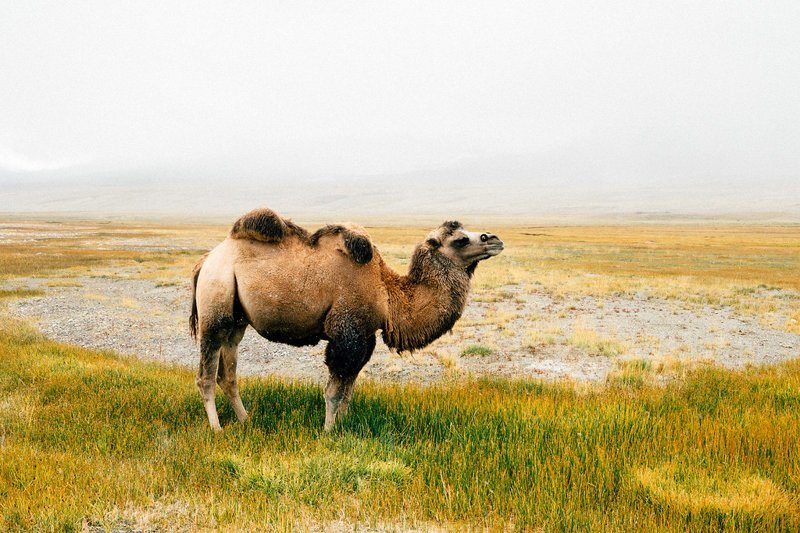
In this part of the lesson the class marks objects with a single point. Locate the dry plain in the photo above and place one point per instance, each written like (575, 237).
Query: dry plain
(616, 310)
(573, 302)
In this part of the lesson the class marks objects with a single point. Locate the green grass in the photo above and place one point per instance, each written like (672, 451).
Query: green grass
(633, 373)
(477, 349)
(88, 438)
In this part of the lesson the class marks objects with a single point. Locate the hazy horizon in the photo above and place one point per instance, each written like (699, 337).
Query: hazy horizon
(513, 109)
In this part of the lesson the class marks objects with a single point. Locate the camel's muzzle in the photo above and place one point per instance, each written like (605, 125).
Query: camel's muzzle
(493, 244)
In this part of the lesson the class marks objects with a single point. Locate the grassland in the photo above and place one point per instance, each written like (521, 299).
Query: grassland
(89, 438)
(75, 247)
(92, 439)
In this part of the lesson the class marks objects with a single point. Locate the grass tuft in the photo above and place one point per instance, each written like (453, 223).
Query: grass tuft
(633, 374)
(477, 349)
(20, 293)
(589, 341)
(64, 283)
(539, 338)
(793, 323)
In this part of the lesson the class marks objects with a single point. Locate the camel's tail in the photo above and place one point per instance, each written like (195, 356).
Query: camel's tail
(193, 316)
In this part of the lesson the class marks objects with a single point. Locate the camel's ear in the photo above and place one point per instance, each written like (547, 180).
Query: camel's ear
(434, 243)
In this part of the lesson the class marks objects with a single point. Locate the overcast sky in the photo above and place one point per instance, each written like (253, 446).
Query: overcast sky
(259, 89)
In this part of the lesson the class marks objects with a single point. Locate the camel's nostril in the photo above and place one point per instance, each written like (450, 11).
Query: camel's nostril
(484, 237)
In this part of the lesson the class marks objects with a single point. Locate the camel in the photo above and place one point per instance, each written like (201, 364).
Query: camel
(299, 288)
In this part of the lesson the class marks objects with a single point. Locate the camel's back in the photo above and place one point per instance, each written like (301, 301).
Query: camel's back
(292, 285)
(264, 225)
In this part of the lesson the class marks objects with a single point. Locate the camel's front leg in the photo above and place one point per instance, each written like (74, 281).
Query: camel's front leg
(345, 356)
(338, 392)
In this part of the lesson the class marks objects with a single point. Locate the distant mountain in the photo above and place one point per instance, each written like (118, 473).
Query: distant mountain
(517, 187)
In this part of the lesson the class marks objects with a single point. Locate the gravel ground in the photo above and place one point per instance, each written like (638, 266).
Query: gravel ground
(138, 317)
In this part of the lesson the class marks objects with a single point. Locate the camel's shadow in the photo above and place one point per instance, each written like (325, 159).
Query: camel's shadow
(275, 406)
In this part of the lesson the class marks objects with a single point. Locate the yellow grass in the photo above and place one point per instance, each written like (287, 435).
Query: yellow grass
(728, 491)
(64, 283)
(591, 342)
(19, 292)
(537, 338)
(793, 324)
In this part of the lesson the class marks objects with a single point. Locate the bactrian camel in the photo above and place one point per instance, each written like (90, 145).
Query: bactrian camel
(299, 288)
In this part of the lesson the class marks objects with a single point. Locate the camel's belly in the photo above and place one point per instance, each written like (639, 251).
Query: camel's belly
(286, 321)
(292, 338)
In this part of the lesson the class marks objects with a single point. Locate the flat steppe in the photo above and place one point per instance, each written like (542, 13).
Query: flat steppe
(603, 378)
(575, 302)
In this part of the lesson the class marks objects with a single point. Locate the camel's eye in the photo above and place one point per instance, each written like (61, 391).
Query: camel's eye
(460, 243)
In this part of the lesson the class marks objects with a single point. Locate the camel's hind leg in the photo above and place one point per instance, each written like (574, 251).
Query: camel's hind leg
(226, 373)
(214, 319)
(206, 382)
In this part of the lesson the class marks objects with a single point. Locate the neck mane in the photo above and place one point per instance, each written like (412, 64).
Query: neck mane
(424, 304)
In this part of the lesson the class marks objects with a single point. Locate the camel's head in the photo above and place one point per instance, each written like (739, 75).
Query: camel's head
(464, 248)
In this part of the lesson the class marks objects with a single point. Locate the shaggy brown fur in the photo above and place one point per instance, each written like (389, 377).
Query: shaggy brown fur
(333, 285)
(419, 315)
(356, 241)
(267, 226)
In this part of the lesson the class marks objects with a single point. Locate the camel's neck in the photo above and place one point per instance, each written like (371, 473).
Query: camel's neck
(424, 304)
